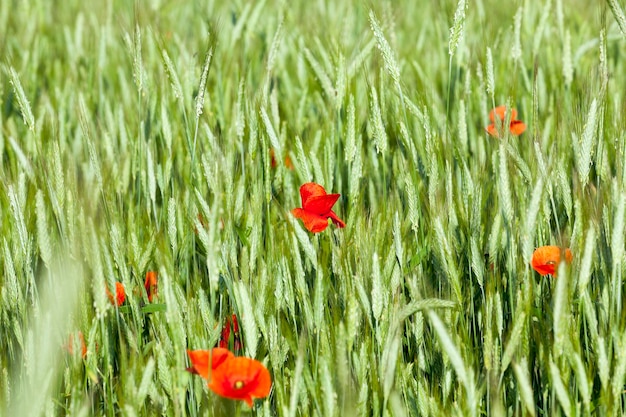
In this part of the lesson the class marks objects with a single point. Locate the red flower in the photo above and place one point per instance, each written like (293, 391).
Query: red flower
(546, 259)
(517, 127)
(316, 208)
(120, 294)
(83, 346)
(202, 359)
(241, 378)
(223, 343)
(151, 284)
(238, 378)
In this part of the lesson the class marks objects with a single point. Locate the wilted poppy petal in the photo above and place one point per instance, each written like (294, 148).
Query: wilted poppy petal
(223, 343)
(235, 324)
(201, 359)
(546, 259)
(338, 222)
(313, 222)
(272, 159)
(310, 189)
(517, 127)
(236, 338)
(321, 204)
(241, 378)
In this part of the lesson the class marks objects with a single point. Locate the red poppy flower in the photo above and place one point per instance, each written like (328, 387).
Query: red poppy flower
(546, 259)
(120, 294)
(517, 127)
(151, 284)
(316, 208)
(83, 346)
(241, 378)
(202, 359)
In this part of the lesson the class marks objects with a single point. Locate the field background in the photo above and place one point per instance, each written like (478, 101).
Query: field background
(138, 137)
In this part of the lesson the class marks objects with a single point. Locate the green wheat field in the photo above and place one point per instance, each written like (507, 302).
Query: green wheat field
(174, 136)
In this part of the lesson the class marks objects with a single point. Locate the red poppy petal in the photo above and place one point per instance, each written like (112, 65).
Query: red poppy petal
(338, 222)
(568, 256)
(120, 293)
(492, 130)
(150, 284)
(83, 346)
(288, 163)
(321, 204)
(313, 222)
(241, 378)
(220, 355)
(310, 189)
(547, 269)
(500, 111)
(497, 111)
(263, 383)
(272, 159)
(544, 258)
(200, 360)
(223, 343)
(547, 258)
(517, 127)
